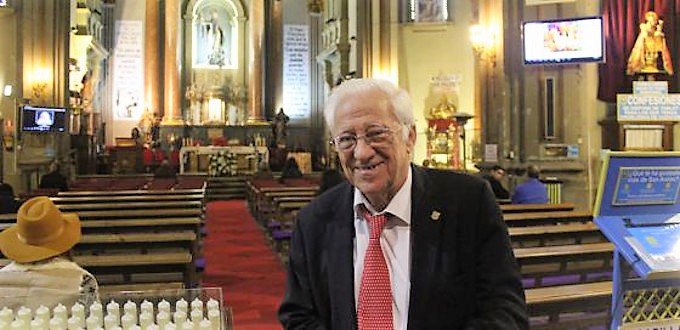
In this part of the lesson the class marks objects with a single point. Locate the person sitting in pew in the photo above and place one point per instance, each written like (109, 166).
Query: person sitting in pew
(54, 179)
(531, 191)
(290, 169)
(8, 202)
(41, 272)
(494, 176)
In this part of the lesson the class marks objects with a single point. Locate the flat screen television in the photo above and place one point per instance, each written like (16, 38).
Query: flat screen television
(572, 40)
(43, 119)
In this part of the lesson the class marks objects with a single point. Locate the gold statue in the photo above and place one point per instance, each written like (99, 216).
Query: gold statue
(649, 45)
(443, 110)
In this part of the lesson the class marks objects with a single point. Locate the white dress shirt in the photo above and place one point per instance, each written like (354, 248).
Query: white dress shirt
(395, 241)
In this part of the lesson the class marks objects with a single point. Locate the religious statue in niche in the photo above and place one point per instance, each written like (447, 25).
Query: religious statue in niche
(650, 48)
(280, 128)
(212, 35)
(444, 110)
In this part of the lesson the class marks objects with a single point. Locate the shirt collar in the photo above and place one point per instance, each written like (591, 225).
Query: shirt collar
(399, 206)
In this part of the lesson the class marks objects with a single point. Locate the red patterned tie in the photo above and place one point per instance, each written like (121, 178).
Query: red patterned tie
(375, 293)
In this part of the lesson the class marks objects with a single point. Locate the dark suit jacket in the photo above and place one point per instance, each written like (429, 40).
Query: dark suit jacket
(463, 272)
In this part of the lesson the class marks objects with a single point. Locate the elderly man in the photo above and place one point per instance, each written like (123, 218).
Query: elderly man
(397, 246)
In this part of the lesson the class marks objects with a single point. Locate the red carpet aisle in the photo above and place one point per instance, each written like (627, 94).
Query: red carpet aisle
(238, 259)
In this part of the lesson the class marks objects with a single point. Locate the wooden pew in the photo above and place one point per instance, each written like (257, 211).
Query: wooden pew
(589, 301)
(521, 208)
(572, 233)
(546, 218)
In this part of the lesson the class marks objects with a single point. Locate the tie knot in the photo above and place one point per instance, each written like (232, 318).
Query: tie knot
(376, 223)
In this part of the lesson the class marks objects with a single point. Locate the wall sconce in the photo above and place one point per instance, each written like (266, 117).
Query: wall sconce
(483, 43)
(40, 78)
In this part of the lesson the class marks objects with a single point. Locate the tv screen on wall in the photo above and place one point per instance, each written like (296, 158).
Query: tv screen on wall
(43, 119)
(573, 40)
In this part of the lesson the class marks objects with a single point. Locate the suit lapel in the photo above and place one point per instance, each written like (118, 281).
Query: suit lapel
(426, 232)
(341, 261)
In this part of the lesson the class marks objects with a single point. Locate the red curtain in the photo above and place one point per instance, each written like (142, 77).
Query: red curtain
(622, 20)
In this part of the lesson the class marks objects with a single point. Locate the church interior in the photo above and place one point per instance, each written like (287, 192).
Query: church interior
(185, 112)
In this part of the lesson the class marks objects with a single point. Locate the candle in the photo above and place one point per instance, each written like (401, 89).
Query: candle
(78, 310)
(170, 326)
(146, 306)
(57, 322)
(187, 326)
(213, 315)
(179, 318)
(205, 325)
(181, 305)
(113, 309)
(18, 325)
(25, 315)
(61, 312)
(6, 315)
(74, 323)
(130, 308)
(145, 319)
(127, 321)
(196, 316)
(96, 309)
(110, 321)
(93, 322)
(212, 304)
(152, 326)
(197, 304)
(42, 313)
(162, 319)
(164, 306)
(37, 324)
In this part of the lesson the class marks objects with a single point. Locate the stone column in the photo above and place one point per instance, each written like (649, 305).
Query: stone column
(255, 68)
(152, 67)
(172, 101)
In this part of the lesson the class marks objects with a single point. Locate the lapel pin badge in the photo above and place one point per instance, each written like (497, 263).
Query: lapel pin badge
(435, 215)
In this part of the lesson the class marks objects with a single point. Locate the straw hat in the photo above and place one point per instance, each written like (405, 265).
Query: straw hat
(41, 232)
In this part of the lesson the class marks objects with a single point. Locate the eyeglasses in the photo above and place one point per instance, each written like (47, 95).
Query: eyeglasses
(373, 137)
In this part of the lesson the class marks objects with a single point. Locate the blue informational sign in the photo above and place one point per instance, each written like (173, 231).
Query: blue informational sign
(647, 185)
(657, 244)
(572, 151)
(648, 107)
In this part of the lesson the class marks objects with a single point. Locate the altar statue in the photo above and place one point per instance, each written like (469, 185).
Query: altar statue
(650, 46)
(280, 128)
(443, 110)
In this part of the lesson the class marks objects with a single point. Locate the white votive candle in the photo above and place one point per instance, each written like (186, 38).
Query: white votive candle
(111, 321)
(145, 319)
(164, 306)
(97, 310)
(6, 315)
(170, 326)
(24, 314)
(93, 322)
(197, 304)
(146, 307)
(42, 313)
(127, 321)
(19, 325)
(205, 325)
(187, 326)
(179, 317)
(181, 305)
(162, 319)
(213, 315)
(151, 326)
(130, 308)
(112, 308)
(196, 316)
(57, 323)
(213, 304)
(36, 324)
(78, 310)
(61, 312)
(74, 323)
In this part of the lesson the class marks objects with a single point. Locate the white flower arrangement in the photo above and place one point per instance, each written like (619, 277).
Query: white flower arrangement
(222, 163)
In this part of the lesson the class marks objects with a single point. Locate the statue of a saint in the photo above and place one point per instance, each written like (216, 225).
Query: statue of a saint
(279, 128)
(443, 110)
(650, 46)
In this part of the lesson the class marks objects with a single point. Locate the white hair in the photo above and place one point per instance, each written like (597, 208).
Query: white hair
(399, 100)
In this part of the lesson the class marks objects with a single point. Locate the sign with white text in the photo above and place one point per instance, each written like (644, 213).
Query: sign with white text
(128, 70)
(296, 76)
